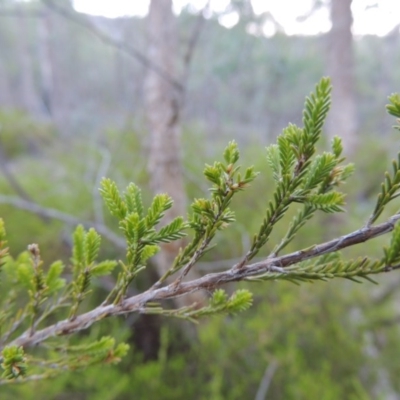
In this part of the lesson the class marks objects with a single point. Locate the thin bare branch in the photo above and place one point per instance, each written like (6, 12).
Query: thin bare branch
(11, 179)
(266, 380)
(193, 40)
(207, 282)
(30, 378)
(120, 45)
(61, 216)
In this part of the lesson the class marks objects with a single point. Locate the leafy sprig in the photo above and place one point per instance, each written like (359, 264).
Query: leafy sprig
(219, 303)
(14, 362)
(298, 177)
(393, 108)
(86, 246)
(301, 177)
(391, 185)
(212, 215)
(324, 270)
(392, 252)
(139, 229)
(389, 191)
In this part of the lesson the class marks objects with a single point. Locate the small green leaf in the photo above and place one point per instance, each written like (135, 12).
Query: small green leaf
(213, 173)
(103, 268)
(170, 232)
(92, 246)
(337, 146)
(231, 153)
(148, 252)
(53, 280)
(219, 298)
(392, 254)
(240, 301)
(78, 250)
(394, 107)
(286, 154)
(133, 200)
(14, 362)
(328, 202)
(161, 203)
(319, 170)
(25, 276)
(112, 198)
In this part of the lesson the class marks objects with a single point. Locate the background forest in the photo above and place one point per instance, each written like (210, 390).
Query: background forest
(83, 96)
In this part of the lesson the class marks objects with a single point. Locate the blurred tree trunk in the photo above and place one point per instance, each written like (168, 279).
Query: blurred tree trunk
(45, 61)
(163, 106)
(342, 120)
(56, 29)
(29, 100)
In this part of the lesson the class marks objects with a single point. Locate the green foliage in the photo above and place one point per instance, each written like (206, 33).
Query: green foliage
(212, 215)
(220, 303)
(392, 253)
(298, 178)
(14, 362)
(39, 296)
(85, 251)
(389, 190)
(72, 357)
(394, 107)
(53, 281)
(139, 230)
(103, 350)
(113, 200)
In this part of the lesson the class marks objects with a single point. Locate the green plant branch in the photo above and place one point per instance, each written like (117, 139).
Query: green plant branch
(300, 177)
(208, 282)
(297, 223)
(200, 251)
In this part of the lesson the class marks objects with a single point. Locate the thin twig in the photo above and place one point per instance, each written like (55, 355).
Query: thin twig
(10, 177)
(122, 46)
(16, 324)
(193, 40)
(199, 252)
(266, 380)
(61, 216)
(37, 377)
(208, 282)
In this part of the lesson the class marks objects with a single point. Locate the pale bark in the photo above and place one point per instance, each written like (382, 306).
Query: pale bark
(342, 120)
(54, 33)
(163, 106)
(210, 282)
(45, 61)
(28, 93)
